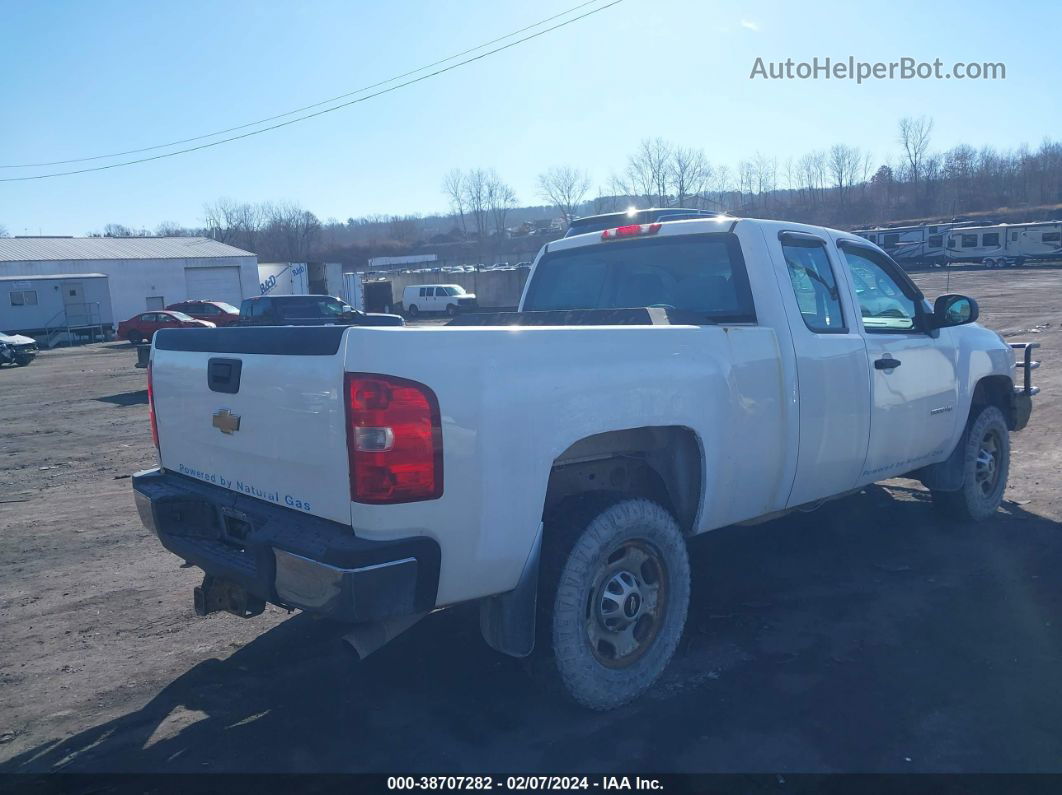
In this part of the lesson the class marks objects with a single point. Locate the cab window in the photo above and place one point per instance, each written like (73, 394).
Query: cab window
(886, 306)
(814, 284)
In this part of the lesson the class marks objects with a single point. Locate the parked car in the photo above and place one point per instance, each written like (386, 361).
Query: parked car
(308, 310)
(667, 379)
(142, 327)
(17, 349)
(448, 298)
(217, 312)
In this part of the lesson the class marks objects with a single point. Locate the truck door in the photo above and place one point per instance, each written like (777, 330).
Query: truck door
(914, 389)
(833, 388)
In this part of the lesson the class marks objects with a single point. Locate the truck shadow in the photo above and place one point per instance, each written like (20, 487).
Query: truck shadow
(866, 636)
(138, 397)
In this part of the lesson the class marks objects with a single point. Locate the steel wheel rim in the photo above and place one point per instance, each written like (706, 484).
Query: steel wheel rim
(627, 603)
(988, 463)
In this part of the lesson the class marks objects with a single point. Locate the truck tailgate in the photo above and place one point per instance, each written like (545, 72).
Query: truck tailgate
(256, 410)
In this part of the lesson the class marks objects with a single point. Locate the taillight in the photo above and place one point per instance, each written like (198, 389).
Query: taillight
(630, 230)
(151, 409)
(394, 439)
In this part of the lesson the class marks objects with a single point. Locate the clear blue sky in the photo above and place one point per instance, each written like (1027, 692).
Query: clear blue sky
(85, 78)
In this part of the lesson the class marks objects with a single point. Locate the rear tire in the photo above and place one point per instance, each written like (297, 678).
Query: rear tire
(614, 595)
(134, 337)
(986, 465)
(990, 263)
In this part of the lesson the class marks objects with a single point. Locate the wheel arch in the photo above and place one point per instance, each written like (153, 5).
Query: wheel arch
(662, 463)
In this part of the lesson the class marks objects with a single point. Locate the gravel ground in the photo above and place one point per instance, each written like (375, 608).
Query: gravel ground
(862, 637)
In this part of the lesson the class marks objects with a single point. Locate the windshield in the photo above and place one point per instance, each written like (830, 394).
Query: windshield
(310, 306)
(704, 274)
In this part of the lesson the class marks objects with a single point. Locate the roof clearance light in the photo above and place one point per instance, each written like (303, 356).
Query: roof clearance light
(631, 230)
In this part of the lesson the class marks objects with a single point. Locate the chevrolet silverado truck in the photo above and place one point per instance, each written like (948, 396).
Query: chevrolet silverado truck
(658, 381)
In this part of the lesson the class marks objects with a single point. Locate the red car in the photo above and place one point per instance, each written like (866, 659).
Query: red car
(142, 327)
(217, 312)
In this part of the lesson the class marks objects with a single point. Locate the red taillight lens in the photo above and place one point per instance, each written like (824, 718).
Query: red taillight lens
(151, 410)
(394, 439)
(630, 230)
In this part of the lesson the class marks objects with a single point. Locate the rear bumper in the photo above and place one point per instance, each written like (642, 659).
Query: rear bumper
(285, 556)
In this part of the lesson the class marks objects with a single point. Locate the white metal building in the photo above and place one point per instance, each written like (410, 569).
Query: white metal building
(143, 272)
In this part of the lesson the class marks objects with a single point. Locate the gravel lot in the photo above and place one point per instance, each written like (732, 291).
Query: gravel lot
(862, 637)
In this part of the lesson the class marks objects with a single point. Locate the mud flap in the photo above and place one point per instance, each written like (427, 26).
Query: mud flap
(507, 620)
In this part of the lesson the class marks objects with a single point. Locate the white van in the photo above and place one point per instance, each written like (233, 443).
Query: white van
(448, 298)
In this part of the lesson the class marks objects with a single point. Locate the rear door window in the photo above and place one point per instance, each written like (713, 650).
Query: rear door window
(703, 275)
(814, 284)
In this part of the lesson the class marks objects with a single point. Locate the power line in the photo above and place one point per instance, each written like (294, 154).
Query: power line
(315, 104)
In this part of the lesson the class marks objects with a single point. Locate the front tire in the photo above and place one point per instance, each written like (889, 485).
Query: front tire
(412, 311)
(986, 465)
(616, 586)
(451, 309)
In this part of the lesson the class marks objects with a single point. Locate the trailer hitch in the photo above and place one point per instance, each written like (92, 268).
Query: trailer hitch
(215, 595)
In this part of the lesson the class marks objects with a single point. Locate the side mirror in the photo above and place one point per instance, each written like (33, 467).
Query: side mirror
(954, 310)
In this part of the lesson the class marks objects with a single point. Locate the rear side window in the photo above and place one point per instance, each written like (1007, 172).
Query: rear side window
(814, 284)
(701, 274)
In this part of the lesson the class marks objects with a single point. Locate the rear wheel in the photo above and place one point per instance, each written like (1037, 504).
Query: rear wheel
(134, 337)
(615, 591)
(990, 263)
(986, 464)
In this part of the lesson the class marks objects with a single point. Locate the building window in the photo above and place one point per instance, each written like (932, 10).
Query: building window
(969, 241)
(23, 298)
(990, 239)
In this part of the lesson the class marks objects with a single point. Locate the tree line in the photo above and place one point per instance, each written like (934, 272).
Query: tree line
(841, 185)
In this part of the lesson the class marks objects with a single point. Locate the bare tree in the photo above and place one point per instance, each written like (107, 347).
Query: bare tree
(564, 187)
(475, 201)
(117, 230)
(454, 188)
(914, 137)
(3, 231)
(690, 173)
(170, 229)
(844, 164)
(500, 199)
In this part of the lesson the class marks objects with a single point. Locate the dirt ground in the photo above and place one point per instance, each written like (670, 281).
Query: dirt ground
(862, 637)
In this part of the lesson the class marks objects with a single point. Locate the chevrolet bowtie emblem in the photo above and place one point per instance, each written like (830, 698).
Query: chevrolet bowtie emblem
(226, 422)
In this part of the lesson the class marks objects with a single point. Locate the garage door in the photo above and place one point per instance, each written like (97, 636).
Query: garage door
(214, 284)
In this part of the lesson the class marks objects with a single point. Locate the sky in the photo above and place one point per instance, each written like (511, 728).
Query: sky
(82, 79)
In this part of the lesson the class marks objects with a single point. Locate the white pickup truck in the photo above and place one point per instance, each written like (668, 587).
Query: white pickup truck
(658, 381)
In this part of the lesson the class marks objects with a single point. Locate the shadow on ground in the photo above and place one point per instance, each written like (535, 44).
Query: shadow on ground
(866, 636)
(137, 398)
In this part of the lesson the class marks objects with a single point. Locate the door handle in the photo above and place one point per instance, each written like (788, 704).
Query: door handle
(886, 362)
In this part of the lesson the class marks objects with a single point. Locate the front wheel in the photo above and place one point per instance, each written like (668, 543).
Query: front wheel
(990, 263)
(616, 587)
(412, 311)
(451, 309)
(22, 361)
(986, 464)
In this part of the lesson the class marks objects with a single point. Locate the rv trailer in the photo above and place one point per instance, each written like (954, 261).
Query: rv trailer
(911, 245)
(1002, 245)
